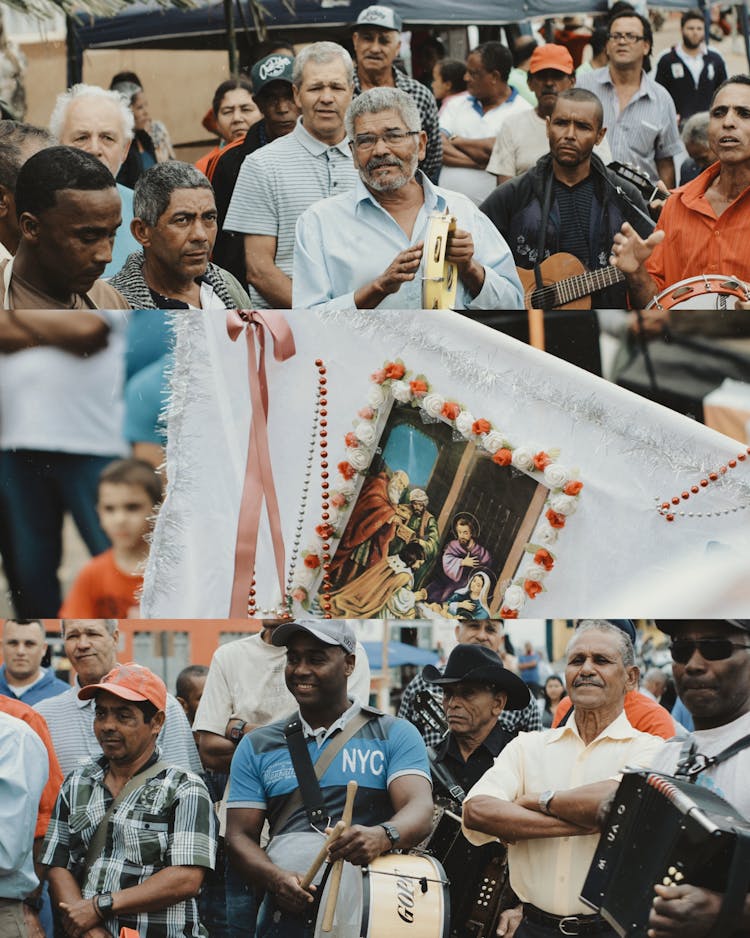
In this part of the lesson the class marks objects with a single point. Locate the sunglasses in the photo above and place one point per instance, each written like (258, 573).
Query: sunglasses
(711, 649)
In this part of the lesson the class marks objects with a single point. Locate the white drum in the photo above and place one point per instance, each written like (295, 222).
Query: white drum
(708, 291)
(405, 894)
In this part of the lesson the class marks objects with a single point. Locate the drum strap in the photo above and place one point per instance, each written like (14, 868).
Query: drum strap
(308, 775)
(691, 762)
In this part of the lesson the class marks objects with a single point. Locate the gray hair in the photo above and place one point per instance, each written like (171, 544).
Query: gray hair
(321, 53)
(627, 652)
(383, 99)
(110, 624)
(64, 100)
(695, 129)
(154, 188)
(128, 90)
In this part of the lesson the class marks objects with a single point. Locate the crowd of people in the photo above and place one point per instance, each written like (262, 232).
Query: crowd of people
(210, 812)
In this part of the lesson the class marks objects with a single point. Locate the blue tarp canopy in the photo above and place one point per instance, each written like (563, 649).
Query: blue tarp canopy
(399, 654)
(145, 21)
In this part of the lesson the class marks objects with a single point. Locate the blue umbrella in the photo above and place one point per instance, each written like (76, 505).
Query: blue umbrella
(399, 653)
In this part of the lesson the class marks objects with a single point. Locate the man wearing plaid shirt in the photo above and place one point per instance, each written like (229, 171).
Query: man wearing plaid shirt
(160, 834)
(488, 632)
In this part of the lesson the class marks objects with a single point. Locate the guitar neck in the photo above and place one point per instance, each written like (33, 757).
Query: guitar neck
(573, 288)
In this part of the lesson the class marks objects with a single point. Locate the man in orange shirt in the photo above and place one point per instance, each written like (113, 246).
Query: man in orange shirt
(705, 225)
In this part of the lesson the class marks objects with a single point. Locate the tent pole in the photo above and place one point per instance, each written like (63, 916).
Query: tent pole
(231, 36)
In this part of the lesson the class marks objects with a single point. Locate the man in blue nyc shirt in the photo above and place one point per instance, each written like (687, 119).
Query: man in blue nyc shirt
(386, 756)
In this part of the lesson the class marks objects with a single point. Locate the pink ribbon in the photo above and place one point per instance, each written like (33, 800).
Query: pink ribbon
(258, 473)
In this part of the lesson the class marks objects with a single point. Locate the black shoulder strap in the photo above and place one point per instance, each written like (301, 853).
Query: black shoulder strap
(564, 719)
(691, 762)
(312, 796)
(443, 775)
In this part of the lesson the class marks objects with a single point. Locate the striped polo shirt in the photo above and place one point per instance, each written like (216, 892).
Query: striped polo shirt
(278, 182)
(646, 128)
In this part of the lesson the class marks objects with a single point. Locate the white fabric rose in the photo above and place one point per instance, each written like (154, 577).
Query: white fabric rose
(546, 534)
(346, 487)
(464, 423)
(563, 504)
(493, 441)
(305, 576)
(523, 458)
(401, 391)
(376, 396)
(433, 404)
(535, 571)
(555, 476)
(359, 458)
(365, 432)
(514, 597)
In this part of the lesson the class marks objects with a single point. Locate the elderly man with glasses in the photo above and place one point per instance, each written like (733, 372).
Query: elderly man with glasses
(711, 669)
(367, 252)
(639, 114)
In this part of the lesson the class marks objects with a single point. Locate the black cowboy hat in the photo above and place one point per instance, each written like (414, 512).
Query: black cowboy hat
(672, 626)
(480, 665)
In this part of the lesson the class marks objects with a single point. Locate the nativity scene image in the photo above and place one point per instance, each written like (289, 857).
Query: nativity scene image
(437, 530)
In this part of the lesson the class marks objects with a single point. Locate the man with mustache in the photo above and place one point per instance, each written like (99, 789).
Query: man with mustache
(711, 670)
(523, 137)
(366, 252)
(542, 794)
(703, 227)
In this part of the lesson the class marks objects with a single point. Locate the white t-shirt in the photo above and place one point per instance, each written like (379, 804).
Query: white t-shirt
(728, 779)
(65, 403)
(522, 140)
(465, 118)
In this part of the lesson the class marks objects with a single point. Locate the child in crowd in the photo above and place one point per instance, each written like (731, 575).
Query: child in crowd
(448, 80)
(107, 587)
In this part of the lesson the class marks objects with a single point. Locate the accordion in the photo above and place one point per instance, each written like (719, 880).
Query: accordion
(666, 830)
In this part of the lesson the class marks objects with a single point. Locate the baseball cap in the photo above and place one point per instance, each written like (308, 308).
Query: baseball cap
(276, 67)
(384, 17)
(130, 681)
(552, 56)
(331, 632)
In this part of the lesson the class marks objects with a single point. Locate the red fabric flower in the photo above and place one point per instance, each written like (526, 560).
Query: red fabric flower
(394, 370)
(367, 413)
(573, 488)
(503, 457)
(541, 460)
(312, 561)
(418, 387)
(378, 376)
(532, 588)
(347, 471)
(450, 410)
(481, 426)
(351, 440)
(544, 558)
(338, 500)
(506, 613)
(324, 531)
(555, 519)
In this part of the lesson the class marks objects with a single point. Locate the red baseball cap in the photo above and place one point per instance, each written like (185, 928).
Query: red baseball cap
(553, 56)
(130, 681)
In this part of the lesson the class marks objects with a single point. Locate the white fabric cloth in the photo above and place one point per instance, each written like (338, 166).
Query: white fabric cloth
(461, 117)
(54, 400)
(728, 779)
(630, 454)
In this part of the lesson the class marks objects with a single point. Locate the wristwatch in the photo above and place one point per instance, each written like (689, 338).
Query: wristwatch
(103, 904)
(237, 731)
(544, 801)
(392, 834)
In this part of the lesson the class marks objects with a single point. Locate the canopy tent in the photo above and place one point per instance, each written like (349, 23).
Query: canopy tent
(399, 654)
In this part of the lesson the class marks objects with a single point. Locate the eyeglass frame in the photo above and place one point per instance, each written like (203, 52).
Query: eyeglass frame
(630, 38)
(696, 643)
(383, 137)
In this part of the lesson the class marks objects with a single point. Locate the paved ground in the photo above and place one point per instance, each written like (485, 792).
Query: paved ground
(733, 51)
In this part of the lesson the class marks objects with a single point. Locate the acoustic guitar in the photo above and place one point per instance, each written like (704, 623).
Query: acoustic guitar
(566, 283)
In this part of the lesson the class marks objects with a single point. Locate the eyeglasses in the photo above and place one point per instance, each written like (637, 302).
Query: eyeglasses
(712, 649)
(625, 37)
(391, 138)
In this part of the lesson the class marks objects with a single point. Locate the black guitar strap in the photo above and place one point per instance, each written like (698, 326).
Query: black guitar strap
(691, 762)
(443, 775)
(541, 243)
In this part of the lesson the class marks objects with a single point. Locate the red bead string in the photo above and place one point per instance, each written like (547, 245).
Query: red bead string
(251, 606)
(324, 484)
(667, 509)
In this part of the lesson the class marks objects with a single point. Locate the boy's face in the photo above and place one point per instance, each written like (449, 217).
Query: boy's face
(124, 512)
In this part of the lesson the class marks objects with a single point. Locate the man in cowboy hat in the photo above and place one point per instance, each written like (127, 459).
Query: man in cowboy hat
(542, 795)
(476, 689)
(711, 670)
(137, 861)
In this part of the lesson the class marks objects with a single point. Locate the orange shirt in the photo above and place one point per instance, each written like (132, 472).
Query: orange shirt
(643, 713)
(36, 721)
(103, 591)
(697, 242)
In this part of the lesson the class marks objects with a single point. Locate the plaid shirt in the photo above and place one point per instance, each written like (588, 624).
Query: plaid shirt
(514, 721)
(168, 821)
(428, 111)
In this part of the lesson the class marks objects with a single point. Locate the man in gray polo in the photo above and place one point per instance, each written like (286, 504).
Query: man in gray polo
(279, 181)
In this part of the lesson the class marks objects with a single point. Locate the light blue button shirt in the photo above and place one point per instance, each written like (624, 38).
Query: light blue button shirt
(125, 243)
(345, 242)
(24, 768)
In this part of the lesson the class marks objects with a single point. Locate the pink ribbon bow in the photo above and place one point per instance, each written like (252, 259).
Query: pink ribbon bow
(258, 473)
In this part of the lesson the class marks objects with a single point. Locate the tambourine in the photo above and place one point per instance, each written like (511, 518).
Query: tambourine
(707, 291)
(440, 280)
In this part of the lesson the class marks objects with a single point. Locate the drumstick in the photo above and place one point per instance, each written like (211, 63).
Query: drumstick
(337, 831)
(338, 866)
